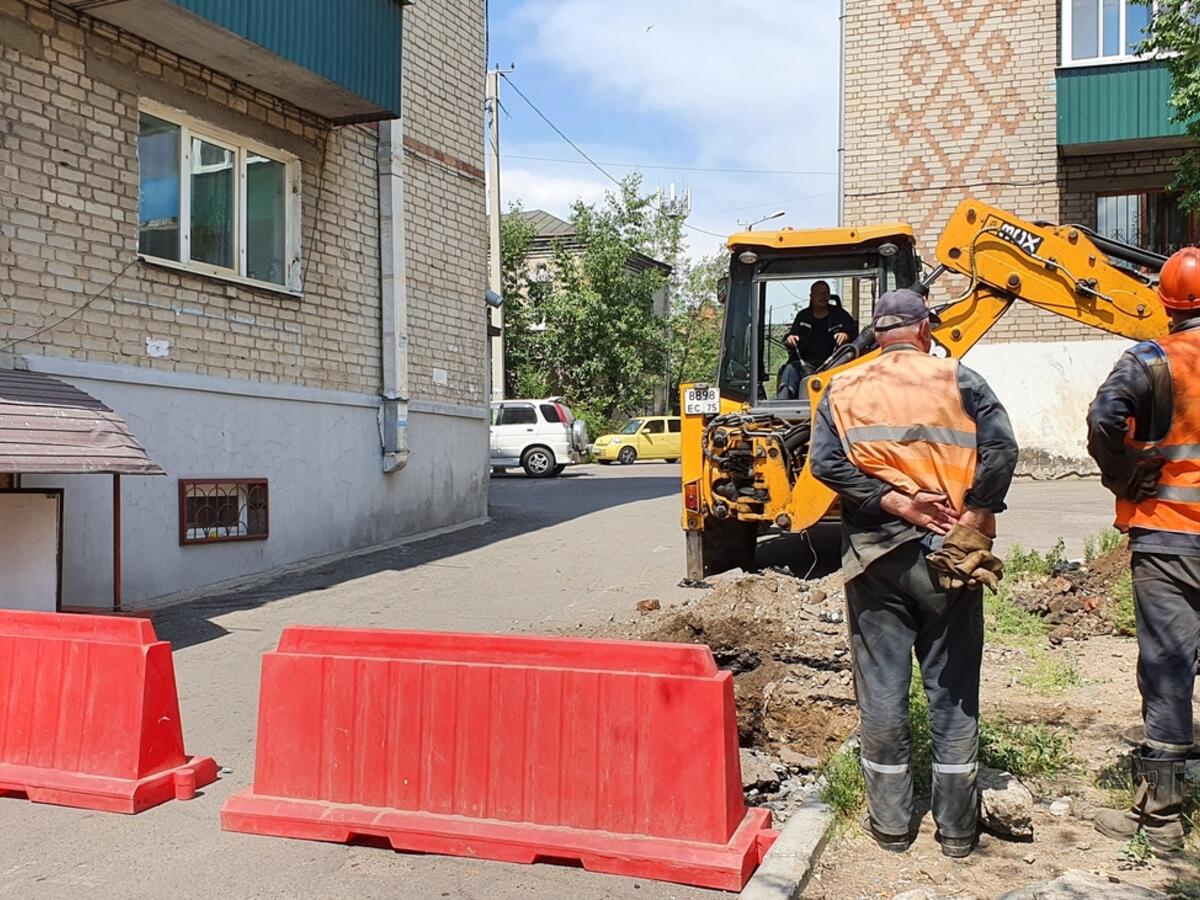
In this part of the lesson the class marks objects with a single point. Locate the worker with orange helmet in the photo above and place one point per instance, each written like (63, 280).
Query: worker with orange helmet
(1144, 433)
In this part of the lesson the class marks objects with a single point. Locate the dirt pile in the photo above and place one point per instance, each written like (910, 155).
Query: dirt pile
(785, 641)
(1077, 601)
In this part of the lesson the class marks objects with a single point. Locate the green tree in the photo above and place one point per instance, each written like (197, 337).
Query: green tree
(1174, 35)
(588, 330)
(696, 322)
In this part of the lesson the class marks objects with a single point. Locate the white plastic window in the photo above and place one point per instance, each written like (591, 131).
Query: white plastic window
(1103, 31)
(217, 204)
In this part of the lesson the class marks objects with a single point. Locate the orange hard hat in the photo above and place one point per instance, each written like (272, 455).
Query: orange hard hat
(1179, 280)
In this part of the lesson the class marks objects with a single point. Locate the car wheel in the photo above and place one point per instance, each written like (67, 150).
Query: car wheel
(627, 456)
(558, 470)
(538, 462)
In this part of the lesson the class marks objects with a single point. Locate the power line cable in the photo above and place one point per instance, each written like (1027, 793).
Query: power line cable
(73, 313)
(599, 168)
(673, 168)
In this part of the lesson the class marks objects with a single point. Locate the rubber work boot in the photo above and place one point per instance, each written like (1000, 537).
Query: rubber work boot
(957, 848)
(892, 843)
(1157, 806)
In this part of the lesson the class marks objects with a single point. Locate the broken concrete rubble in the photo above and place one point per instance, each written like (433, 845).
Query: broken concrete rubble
(1078, 885)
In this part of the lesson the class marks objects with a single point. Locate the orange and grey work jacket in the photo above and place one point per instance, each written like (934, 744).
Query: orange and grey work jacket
(943, 421)
(901, 420)
(1176, 505)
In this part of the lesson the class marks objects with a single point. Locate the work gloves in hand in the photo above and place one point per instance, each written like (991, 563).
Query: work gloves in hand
(966, 560)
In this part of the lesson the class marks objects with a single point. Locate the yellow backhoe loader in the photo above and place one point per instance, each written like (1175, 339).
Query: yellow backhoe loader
(745, 443)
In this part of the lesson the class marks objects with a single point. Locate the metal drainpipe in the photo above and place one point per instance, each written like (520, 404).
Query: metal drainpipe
(841, 150)
(393, 413)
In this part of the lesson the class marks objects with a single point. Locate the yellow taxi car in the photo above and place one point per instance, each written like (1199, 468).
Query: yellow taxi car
(648, 437)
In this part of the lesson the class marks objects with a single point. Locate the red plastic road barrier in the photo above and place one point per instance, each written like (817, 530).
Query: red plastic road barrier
(620, 754)
(89, 716)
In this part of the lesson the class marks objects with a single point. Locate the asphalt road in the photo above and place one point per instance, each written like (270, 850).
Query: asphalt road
(579, 548)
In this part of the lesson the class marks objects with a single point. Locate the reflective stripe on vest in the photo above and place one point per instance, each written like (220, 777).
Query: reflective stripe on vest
(1176, 507)
(902, 421)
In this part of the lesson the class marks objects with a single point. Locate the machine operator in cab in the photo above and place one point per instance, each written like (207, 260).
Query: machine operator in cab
(921, 454)
(816, 332)
(1144, 433)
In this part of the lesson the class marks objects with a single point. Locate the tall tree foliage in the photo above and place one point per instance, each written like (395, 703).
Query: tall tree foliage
(586, 328)
(1174, 35)
(696, 322)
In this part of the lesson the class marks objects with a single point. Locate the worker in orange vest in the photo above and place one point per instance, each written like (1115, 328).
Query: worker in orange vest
(1144, 433)
(921, 455)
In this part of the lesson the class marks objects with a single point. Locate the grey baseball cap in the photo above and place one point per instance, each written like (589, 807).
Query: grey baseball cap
(901, 307)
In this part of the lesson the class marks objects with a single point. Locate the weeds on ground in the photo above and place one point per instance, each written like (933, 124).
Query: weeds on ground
(1123, 618)
(1101, 544)
(1008, 623)
(844, 788)
(1024, 750)
(1031, 562)
(1136, 852)
(1184, 889)
(1049, 674)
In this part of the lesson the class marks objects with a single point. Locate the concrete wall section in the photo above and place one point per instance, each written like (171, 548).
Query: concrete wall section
(1046, 388)
(320, 452)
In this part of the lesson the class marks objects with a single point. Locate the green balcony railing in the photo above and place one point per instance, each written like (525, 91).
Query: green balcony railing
(1114, 103)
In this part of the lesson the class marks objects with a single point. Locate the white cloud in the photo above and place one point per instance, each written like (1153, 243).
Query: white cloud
(745, 84)
(553, 193)
(756, 82)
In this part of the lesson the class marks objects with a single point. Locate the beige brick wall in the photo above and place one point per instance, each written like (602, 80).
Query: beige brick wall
(69, 91)
(961, 103)
(444, 196)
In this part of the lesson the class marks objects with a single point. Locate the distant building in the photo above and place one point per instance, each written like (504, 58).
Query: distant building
(550, 231)
(1041, 107)
(296, 247)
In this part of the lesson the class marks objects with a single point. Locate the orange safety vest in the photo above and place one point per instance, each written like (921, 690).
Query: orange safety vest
(1176, 507)
(902, 421)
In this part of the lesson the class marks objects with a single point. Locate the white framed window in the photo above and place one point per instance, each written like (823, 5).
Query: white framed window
(1096, 32)
(216, 203)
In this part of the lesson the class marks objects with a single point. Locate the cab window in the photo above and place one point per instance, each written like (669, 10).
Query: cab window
(655, 426)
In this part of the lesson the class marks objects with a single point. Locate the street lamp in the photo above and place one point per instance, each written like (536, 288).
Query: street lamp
(774, 215)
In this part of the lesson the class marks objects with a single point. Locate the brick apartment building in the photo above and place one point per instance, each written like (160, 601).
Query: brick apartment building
(1041, 107)
(295, 241)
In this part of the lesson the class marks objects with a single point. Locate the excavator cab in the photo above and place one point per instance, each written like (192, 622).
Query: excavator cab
(745, 466)
(771, 276)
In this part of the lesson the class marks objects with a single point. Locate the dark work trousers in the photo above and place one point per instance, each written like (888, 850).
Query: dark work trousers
(894, 608)
(1167, 593)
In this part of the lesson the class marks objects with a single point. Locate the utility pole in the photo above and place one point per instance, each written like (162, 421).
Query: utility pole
(677, 209)
(495, 277)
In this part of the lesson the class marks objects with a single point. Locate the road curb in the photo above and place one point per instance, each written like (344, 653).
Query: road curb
(786, 868)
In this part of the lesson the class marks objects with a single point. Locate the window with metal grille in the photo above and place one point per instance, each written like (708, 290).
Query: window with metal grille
(1150, 219)
(213, 511)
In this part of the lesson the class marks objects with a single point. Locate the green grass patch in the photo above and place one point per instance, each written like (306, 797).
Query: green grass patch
(1049, 674)
(1008, 623)
(1031, 562)
(1024, 750)
(1101, 544)
(845, 789)
(1123, 618)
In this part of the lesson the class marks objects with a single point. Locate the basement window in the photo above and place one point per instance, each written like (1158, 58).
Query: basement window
(215, 511)
(214, 203)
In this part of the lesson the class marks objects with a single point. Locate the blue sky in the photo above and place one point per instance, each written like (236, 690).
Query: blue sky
(709, 84)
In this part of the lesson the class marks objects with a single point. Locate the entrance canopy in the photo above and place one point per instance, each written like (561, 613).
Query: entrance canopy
(48, 427)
